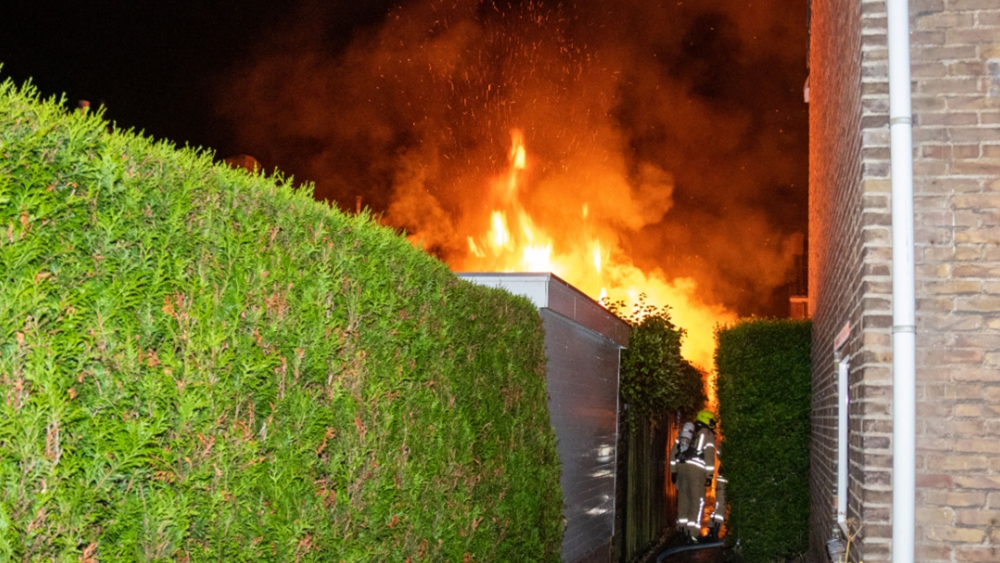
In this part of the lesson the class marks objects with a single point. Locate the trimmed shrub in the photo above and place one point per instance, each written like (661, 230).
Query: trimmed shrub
(655, 379)
(764, 391)
(201, 364)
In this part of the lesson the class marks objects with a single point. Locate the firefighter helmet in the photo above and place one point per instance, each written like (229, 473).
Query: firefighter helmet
(707, 418)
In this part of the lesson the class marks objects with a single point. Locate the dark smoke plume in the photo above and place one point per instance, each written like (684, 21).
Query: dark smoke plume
(680, 125)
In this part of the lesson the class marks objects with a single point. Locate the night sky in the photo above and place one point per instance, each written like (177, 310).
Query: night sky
(706, 93)
(155, 65)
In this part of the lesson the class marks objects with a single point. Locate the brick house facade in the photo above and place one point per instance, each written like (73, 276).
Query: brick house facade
(955, 67)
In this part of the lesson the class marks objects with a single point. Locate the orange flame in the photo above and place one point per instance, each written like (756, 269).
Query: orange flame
(593, 263)
(499, 236)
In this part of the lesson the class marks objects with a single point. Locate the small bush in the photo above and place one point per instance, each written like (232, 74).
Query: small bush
(764, 391)
(200, 364)
(655, 380)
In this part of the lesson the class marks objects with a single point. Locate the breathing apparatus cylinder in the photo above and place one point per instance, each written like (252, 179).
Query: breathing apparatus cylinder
(687, 434)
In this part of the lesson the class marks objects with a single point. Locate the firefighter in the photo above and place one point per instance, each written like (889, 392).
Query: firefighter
(718, 516)
(691, 469)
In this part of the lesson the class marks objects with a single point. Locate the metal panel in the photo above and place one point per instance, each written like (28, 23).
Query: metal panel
(547, 290)
(533, 286)
(582, 346)
(574, 304)
(582, 379)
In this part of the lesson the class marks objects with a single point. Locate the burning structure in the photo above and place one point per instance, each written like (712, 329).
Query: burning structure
(585, 140)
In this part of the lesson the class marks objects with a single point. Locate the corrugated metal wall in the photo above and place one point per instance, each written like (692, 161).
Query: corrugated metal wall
(582, 345)
(583, 405)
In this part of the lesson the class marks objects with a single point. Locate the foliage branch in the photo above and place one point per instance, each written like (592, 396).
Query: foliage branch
(655, 379)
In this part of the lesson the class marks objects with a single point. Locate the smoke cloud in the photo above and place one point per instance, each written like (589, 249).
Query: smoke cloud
(678, 130)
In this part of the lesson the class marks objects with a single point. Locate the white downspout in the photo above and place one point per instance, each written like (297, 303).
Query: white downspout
(904, 332)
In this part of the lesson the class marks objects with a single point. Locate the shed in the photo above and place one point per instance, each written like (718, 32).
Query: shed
(583, 343)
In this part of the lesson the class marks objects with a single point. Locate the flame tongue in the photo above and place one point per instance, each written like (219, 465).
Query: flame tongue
(498, 234)
(523, 247)
(518, 157)
(586, 255)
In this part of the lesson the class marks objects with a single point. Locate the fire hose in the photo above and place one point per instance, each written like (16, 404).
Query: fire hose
(682, 548)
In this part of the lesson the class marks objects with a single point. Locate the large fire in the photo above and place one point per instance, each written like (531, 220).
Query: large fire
(511, 239)
(642, 164)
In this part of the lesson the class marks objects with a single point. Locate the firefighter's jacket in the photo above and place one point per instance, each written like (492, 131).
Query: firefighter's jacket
(701, 451)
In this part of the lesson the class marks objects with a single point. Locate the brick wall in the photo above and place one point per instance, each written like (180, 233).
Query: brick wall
(955, 54)
(835, 233)
(955, 50)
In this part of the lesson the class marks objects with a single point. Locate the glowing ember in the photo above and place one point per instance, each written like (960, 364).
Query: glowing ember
(518, 156)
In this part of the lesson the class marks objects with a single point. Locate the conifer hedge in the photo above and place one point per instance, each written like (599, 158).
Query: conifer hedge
(201, 364)
(764, 391)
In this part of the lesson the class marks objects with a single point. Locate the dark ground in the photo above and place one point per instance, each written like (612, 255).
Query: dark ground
(709, 555)
(715, 555)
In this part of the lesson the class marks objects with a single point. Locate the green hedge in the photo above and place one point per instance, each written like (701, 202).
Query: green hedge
(200, 364)
(764, 391)
(655, 380)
